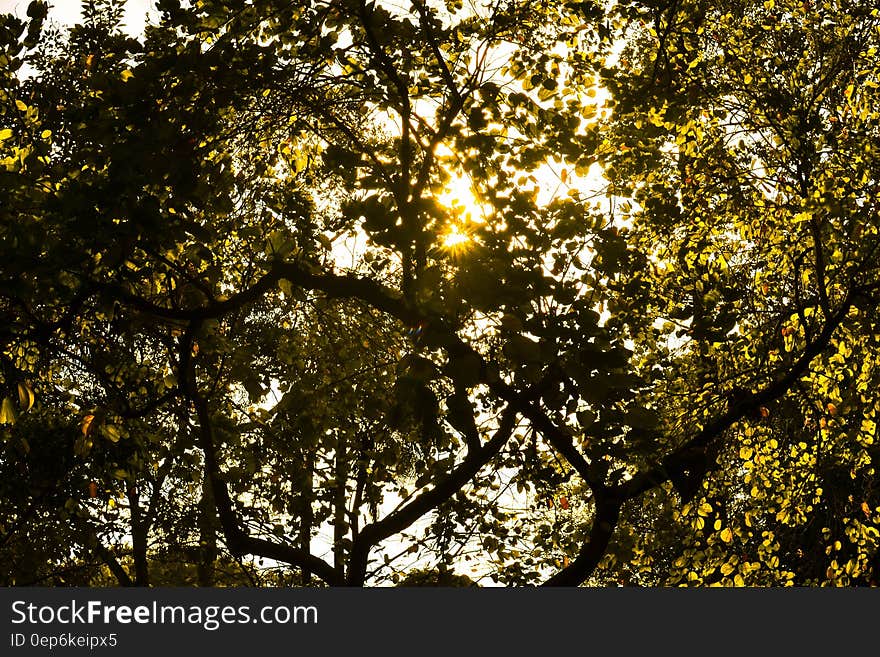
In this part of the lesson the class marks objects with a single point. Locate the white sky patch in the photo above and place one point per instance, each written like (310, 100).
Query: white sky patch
(69, 12)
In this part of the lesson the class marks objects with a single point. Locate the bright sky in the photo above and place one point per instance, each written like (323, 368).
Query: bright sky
(67, 12)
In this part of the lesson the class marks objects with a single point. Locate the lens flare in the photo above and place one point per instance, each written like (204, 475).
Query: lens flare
(454, 239)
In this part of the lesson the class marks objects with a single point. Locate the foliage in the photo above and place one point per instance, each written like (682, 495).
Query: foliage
(248, 339)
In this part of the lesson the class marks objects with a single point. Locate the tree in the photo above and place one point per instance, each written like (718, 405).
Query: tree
(747, 136)
(267, 350)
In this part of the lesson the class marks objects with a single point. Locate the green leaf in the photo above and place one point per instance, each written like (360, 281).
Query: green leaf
(465, 369)
(418, 368)
(642, 418)
(522, 349)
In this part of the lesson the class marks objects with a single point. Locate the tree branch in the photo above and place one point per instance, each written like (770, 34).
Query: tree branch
(653, 476)
(399, 520)
(237, 539)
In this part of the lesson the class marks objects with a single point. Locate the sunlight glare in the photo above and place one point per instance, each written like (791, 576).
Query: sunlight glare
(459, 197)
(454, 239)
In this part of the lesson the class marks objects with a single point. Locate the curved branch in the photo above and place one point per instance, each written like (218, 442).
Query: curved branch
(610, 501)
(438, 333)
(604, 523)
(653, 476)
(237, 539)
(399, 520)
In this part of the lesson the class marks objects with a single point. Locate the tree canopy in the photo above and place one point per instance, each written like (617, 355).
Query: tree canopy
(339, 292)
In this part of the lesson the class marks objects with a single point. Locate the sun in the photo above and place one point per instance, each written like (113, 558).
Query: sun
(455, 239)
(465, 211)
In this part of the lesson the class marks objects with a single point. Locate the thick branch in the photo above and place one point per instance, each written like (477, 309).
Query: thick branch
(112, 563)
(604, 523)
(93, 541)
(819, 255)
(653, 476)
(609, 501)
(444, 489)
(237, 539)
(383, 299)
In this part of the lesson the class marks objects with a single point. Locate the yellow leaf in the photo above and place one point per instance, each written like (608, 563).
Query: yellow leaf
(7, 412)
(112, 433)
(86, 424)
(46, 134)
(5, 134)
(726, 535)
(25, 397)
(738, 580)
(125, 75)
(20, 105)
